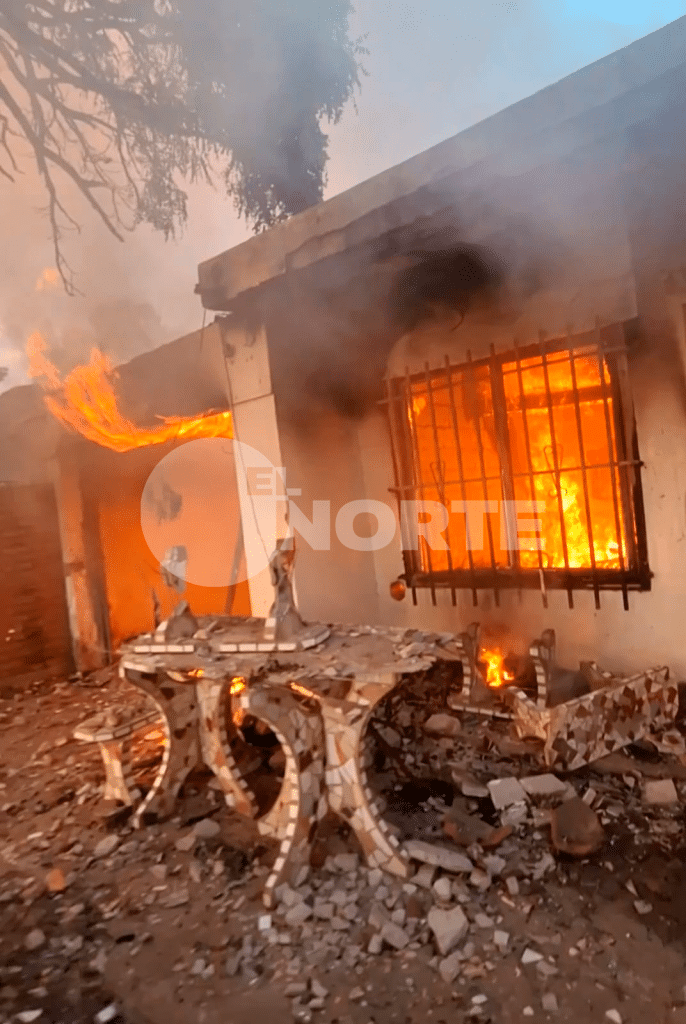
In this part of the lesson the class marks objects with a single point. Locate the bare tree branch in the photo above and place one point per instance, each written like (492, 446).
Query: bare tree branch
(128, 100)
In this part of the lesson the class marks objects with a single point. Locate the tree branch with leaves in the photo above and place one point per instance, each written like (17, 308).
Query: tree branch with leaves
(123, 104)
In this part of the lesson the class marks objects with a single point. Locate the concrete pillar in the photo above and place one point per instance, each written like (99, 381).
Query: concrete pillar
(257, 454)
(88, 642)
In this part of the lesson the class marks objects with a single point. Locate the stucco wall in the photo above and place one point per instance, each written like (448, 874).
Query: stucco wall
(603, 275)
(604, 197)
(343, 463)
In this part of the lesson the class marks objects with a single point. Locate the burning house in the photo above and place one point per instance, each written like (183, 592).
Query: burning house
(111, 494)
(499, 320)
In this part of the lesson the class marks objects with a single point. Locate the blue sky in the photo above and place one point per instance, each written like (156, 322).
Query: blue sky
(438, 66)
(435, 67)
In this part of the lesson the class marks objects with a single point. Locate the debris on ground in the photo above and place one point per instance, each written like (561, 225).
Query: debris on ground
(532, 895)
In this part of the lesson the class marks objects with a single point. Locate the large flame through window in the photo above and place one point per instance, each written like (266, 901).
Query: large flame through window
(543, 427)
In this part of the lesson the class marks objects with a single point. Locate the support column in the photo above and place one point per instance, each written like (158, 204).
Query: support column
(258, 454)
(88, 640)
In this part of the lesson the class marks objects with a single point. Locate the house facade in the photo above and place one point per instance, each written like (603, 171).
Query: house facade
(489, 341)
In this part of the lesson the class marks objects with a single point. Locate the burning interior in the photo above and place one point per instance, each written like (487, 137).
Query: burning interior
(121, 425)
(548, 424)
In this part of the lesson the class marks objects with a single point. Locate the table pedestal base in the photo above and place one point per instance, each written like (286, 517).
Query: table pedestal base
(178, 707)
(301, 802)
(348, 790)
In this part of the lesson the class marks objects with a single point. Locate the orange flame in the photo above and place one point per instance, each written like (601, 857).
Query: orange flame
(302, 690)
(564, 454)
(237, 686)
(86, 402)
(496, 676)
(197, 673)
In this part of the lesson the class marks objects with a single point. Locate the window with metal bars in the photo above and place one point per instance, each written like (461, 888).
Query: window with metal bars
(550, 424)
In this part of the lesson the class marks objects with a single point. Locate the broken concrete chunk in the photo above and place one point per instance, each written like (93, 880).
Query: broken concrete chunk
(448, 926)
(494, 865)
(660, 792)
(106, 846)
(232, 966)
(449, 968)
(178, 898)
(442, 889)
(289, 897)
(443, 725)
(298, 914)
(425, 876)
(549, 1002)
(34, 940)
(296, 988)
(186, 843)
(378, 917)
(207, 828)
(483, 921)
(512, 885)
(318, 990)
(480, 879)
(107, 1014)
(346, 862)
(576, 829)
(531, 956)
(438, 856)
(513, 816)
(394, 935)
(545, 788)
(473, 790)
(506, 793)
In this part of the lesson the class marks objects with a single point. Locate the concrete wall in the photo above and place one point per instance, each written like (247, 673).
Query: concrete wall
(601, 191)
(341, 462)
(607, 274)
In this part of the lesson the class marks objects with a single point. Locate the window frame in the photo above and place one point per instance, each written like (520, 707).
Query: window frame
(609, 344)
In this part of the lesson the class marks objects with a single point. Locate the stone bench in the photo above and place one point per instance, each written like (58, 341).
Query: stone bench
(112, 732)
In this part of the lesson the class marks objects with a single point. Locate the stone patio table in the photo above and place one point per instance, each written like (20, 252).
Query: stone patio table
(319, 714)
(196, 721)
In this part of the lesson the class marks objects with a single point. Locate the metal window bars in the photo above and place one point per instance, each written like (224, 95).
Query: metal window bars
(549, 423)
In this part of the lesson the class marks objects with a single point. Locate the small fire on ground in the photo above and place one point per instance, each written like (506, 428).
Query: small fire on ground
(85, 401)
(496, 673)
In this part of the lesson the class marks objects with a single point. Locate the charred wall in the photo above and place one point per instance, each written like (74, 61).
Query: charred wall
(597, 242)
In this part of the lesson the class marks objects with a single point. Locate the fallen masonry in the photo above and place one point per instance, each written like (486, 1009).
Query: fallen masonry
(464, 909)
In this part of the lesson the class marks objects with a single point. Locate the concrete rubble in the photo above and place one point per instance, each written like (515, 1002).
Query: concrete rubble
(88, 904)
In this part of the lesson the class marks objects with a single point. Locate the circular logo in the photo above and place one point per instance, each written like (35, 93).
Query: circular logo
(191, 512)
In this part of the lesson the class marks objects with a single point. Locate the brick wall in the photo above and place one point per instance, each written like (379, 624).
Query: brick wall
(34, 625)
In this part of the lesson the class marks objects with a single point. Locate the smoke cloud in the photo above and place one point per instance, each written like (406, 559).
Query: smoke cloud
(336, 325)
(134, 295)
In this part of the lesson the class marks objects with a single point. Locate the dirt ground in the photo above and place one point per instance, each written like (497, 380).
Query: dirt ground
(162, 926)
